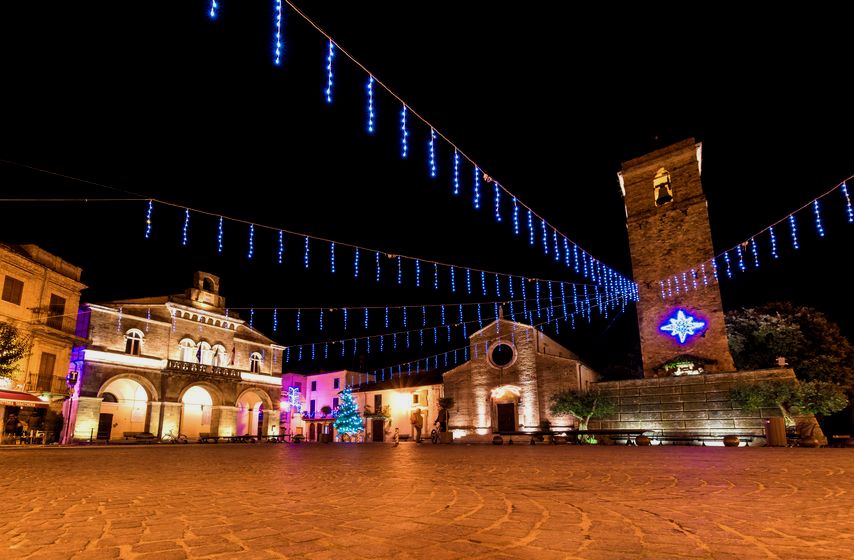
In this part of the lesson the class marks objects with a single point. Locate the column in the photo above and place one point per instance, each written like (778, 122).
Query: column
(224, 420)
(271, 422)
(87, 412)
(165, 416)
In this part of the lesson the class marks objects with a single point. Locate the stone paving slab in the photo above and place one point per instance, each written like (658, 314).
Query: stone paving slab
(376, 501)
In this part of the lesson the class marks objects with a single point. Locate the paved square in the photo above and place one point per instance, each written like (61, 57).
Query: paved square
(426, 501)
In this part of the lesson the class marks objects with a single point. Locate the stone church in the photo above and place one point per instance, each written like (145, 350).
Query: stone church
(506, 385)
(172, 364)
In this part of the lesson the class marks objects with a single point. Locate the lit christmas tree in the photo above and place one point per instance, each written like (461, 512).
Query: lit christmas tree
(349, 421)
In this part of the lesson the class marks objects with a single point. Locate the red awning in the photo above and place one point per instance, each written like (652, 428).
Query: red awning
(17, 398)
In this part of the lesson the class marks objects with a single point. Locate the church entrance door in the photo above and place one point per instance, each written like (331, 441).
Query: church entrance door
(506, 417)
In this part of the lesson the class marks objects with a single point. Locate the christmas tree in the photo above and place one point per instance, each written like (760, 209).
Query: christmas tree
(348, 421)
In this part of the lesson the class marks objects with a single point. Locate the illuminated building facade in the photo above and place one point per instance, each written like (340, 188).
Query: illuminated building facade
(41, 294)
(173, 364)
(680, 314)
(505, 386)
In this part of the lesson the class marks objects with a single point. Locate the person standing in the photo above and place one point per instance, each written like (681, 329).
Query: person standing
(417, 422)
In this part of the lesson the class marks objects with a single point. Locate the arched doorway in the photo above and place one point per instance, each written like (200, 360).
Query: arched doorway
(251, 407)
(123, 408)
(196, 415)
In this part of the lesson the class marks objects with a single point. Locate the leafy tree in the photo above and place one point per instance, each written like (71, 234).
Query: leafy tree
(809, 397)
(348, 421)
(13, 348)
(583, 406)
(813, 345)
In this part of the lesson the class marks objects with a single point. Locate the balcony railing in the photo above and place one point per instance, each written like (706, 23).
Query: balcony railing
(55, 385)
(202, 369)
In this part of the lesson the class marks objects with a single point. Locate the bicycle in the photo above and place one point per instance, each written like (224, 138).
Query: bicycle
(170, 437)
(434, 434)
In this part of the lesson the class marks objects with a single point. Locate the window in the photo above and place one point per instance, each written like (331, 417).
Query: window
(414, 398)
(311, 407)
(205, 354)
(255, 362)
(220, 357)
(12, 290)
(334, 403)
(661, 188)
(56, 311)
(133, 342)
(188, 350)
(503, 354)
(378, 402)
(298, 385)
(314, 385)
(336, 384)
(46, 365)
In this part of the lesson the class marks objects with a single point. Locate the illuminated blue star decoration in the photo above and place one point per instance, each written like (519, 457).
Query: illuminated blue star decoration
(682, 326)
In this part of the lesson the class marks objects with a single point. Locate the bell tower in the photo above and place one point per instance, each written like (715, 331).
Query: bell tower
(681, 331)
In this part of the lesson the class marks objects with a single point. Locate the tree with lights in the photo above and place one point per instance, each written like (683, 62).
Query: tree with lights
(349, 421)
(13, 348)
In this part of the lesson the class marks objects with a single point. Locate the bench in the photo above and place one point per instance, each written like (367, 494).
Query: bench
(139, 436)
(691, 437)
(206, 437)
(565, 435)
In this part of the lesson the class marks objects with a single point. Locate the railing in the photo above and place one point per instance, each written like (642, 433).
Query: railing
(202, 369)
(55, 385)
(59, 322)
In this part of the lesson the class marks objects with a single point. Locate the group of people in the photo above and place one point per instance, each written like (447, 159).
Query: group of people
(417, 422)
(14, 429)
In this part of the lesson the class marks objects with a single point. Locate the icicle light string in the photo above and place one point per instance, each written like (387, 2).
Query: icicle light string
(789, 222)
(489, 341)
(630, 293)
(335, 47)
(405, 332)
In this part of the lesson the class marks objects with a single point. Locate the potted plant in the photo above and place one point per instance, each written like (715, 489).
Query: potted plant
(546, 428)
(326, 410)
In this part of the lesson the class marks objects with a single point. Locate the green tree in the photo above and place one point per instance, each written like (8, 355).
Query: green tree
(583, 406)
(809, 397)
(812, 344)
(13, 348)
(348, 421)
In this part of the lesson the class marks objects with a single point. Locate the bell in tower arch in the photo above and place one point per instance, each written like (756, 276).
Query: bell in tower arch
(662, 189)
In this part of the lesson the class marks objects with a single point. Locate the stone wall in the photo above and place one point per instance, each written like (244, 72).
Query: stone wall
(696, 403)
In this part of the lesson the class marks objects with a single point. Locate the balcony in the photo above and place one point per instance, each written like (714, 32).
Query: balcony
(44, 384)
(178, 366)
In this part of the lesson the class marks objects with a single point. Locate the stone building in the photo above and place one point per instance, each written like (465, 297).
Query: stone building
(506, 385)
(180, 364)
(669, 233)
(390, 405)
(41, 294)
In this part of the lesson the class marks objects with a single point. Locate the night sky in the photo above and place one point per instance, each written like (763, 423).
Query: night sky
(156, 99)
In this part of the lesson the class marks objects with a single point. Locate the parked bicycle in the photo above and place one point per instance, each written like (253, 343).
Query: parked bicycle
(434, 434)
(172, 437)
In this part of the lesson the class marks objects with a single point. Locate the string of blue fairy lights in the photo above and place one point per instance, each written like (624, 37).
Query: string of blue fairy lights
(434, 134)
(670, 285)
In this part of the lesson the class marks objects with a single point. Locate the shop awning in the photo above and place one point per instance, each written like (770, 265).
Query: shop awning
(17, 398)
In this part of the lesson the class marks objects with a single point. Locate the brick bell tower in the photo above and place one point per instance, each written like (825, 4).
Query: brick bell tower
(668, 224)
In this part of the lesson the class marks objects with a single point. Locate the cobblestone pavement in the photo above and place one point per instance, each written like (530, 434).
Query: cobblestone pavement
(425, 501)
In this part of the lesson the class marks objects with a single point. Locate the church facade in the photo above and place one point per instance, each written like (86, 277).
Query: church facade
(507, 383)
(179, 364)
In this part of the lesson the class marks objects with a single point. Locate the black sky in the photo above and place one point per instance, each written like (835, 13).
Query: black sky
(156, 99)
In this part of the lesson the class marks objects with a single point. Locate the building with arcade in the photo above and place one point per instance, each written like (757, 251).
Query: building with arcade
(172, 364)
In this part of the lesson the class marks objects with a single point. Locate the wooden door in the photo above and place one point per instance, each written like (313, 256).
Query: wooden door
(506, 417)
(105, 426)
(377, 429)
